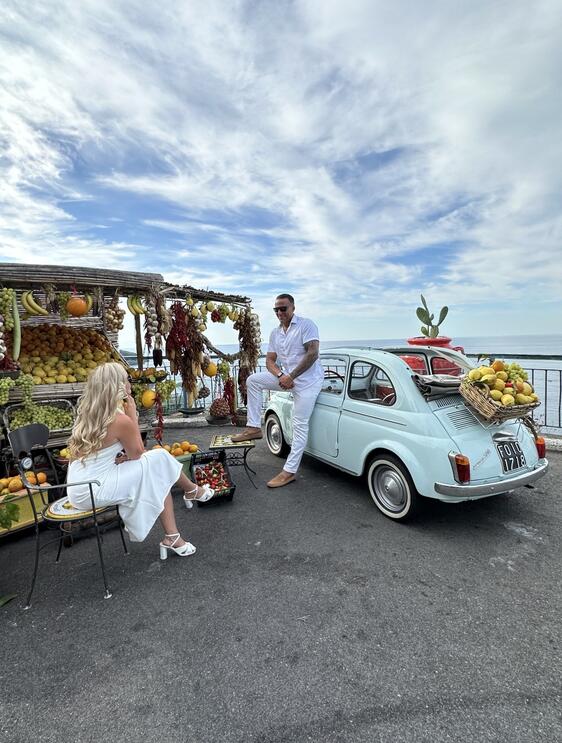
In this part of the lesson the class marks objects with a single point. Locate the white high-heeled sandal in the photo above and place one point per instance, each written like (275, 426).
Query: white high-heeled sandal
(207, 495)
(186, 549)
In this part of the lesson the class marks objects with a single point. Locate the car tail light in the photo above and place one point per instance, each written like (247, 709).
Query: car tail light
(541, 447)
(461, 467)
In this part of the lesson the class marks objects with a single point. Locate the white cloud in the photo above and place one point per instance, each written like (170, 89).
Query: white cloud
(363, 133)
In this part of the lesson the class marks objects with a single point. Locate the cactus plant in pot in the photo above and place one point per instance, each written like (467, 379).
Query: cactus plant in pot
(430, 330)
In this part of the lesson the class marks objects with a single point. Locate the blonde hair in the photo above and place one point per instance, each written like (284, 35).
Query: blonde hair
(97, 408)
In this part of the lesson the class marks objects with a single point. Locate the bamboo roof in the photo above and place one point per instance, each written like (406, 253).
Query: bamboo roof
(206, 294)
(31, 275)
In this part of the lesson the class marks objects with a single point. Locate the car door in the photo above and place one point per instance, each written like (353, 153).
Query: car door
(324, 421)
(370, 414)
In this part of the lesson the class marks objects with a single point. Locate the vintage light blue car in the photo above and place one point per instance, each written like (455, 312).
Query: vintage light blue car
(396, 417)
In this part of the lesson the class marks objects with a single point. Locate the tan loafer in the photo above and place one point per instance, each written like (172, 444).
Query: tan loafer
(283, 478)
(248, 434)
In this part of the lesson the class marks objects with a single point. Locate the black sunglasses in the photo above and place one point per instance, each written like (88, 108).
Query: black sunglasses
(281, 309)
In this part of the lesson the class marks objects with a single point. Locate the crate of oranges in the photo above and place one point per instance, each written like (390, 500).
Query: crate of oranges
(13, 491)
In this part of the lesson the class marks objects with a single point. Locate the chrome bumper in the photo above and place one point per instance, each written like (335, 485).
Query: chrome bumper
(492, 488)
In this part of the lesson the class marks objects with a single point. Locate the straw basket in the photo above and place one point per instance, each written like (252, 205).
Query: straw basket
(479, 398)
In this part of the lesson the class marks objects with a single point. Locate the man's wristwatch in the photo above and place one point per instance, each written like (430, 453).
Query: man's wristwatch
(281, 373)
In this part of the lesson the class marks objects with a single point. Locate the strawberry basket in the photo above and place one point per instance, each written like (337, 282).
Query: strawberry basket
(478, 397)
(210, 467)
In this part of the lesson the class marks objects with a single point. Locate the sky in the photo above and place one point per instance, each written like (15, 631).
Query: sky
(351, 153)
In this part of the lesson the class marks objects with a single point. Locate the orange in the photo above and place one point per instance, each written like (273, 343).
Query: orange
(178, 452)
(167, 447)
(497, 365)
(41, 478)
(185, 445)
(156, 446)
(176, 445)
(30, 477)
(193, 448)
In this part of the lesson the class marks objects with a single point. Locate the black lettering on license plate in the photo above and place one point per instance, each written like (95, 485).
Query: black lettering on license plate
(511, 455)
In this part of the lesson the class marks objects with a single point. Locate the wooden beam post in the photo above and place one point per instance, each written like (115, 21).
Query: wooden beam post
(138, 335)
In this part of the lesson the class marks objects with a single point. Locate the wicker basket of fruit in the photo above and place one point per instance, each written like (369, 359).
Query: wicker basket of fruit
(499, 392)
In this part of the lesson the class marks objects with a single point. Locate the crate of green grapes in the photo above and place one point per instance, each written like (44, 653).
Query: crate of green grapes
(57, 415)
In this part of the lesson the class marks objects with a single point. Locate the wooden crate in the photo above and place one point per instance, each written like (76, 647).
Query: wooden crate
(21, 499)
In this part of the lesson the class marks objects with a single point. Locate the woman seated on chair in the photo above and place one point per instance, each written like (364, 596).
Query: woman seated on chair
(138, 481)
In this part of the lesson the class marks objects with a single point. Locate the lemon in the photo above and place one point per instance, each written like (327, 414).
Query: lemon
(496, 395)
(502, 375)
(507, 400)
(474, 375)
(489, 379)
(499, 385)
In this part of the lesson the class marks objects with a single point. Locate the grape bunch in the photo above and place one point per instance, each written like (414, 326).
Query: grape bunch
(25, 383)
(516, 373)
(2, 339)
(7, 307)
(223, 368)
(63, 298)
(137, 391)
(6, 385)
(49, 415)
(165, 389)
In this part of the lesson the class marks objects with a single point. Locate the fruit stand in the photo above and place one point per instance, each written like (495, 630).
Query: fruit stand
(58, 323)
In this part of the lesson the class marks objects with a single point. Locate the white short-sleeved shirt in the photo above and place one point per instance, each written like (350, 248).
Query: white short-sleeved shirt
(289, 347)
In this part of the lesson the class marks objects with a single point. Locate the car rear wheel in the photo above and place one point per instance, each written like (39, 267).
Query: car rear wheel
(274, 436)
(392, 488)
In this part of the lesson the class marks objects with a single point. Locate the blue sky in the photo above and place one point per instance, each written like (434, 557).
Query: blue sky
(352, 153)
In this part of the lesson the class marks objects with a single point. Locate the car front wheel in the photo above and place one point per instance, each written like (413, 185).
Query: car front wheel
(392, 488)
(274, 437)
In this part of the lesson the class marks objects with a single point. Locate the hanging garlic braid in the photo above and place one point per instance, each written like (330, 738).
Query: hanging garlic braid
(97, 408)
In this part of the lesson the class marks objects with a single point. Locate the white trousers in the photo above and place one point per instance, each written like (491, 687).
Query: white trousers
(303, 404)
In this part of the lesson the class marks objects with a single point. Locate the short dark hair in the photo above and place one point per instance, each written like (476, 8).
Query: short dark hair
(285, 296)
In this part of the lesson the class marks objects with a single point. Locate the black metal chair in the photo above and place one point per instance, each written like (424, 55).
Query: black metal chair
(26, 443)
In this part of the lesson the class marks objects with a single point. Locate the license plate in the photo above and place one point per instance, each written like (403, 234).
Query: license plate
(511, 455)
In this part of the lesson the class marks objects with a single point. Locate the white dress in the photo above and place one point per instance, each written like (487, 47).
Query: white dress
(139, 486)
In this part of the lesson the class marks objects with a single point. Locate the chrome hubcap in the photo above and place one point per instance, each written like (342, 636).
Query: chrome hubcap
(390, 489)
(274, 436)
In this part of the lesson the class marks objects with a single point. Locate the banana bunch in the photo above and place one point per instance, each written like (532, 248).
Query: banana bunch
(135, 306)
(30, 304)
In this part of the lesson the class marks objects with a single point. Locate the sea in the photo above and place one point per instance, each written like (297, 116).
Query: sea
(494, 346)
(540, 355)
(544, 373)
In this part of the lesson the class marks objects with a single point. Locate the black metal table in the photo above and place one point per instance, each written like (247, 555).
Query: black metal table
(236, 453)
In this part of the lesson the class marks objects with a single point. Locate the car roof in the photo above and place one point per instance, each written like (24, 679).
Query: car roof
(374, 352)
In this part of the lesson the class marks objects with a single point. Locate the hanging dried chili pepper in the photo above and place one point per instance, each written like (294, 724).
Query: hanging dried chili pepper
(228, 393)
(159, 428)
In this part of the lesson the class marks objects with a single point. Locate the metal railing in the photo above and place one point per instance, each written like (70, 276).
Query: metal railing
(546, 380)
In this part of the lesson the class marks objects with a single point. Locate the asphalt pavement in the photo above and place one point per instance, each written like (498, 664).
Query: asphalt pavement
(305, 615)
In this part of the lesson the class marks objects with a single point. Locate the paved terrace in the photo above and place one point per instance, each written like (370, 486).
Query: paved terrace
(304, 616)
